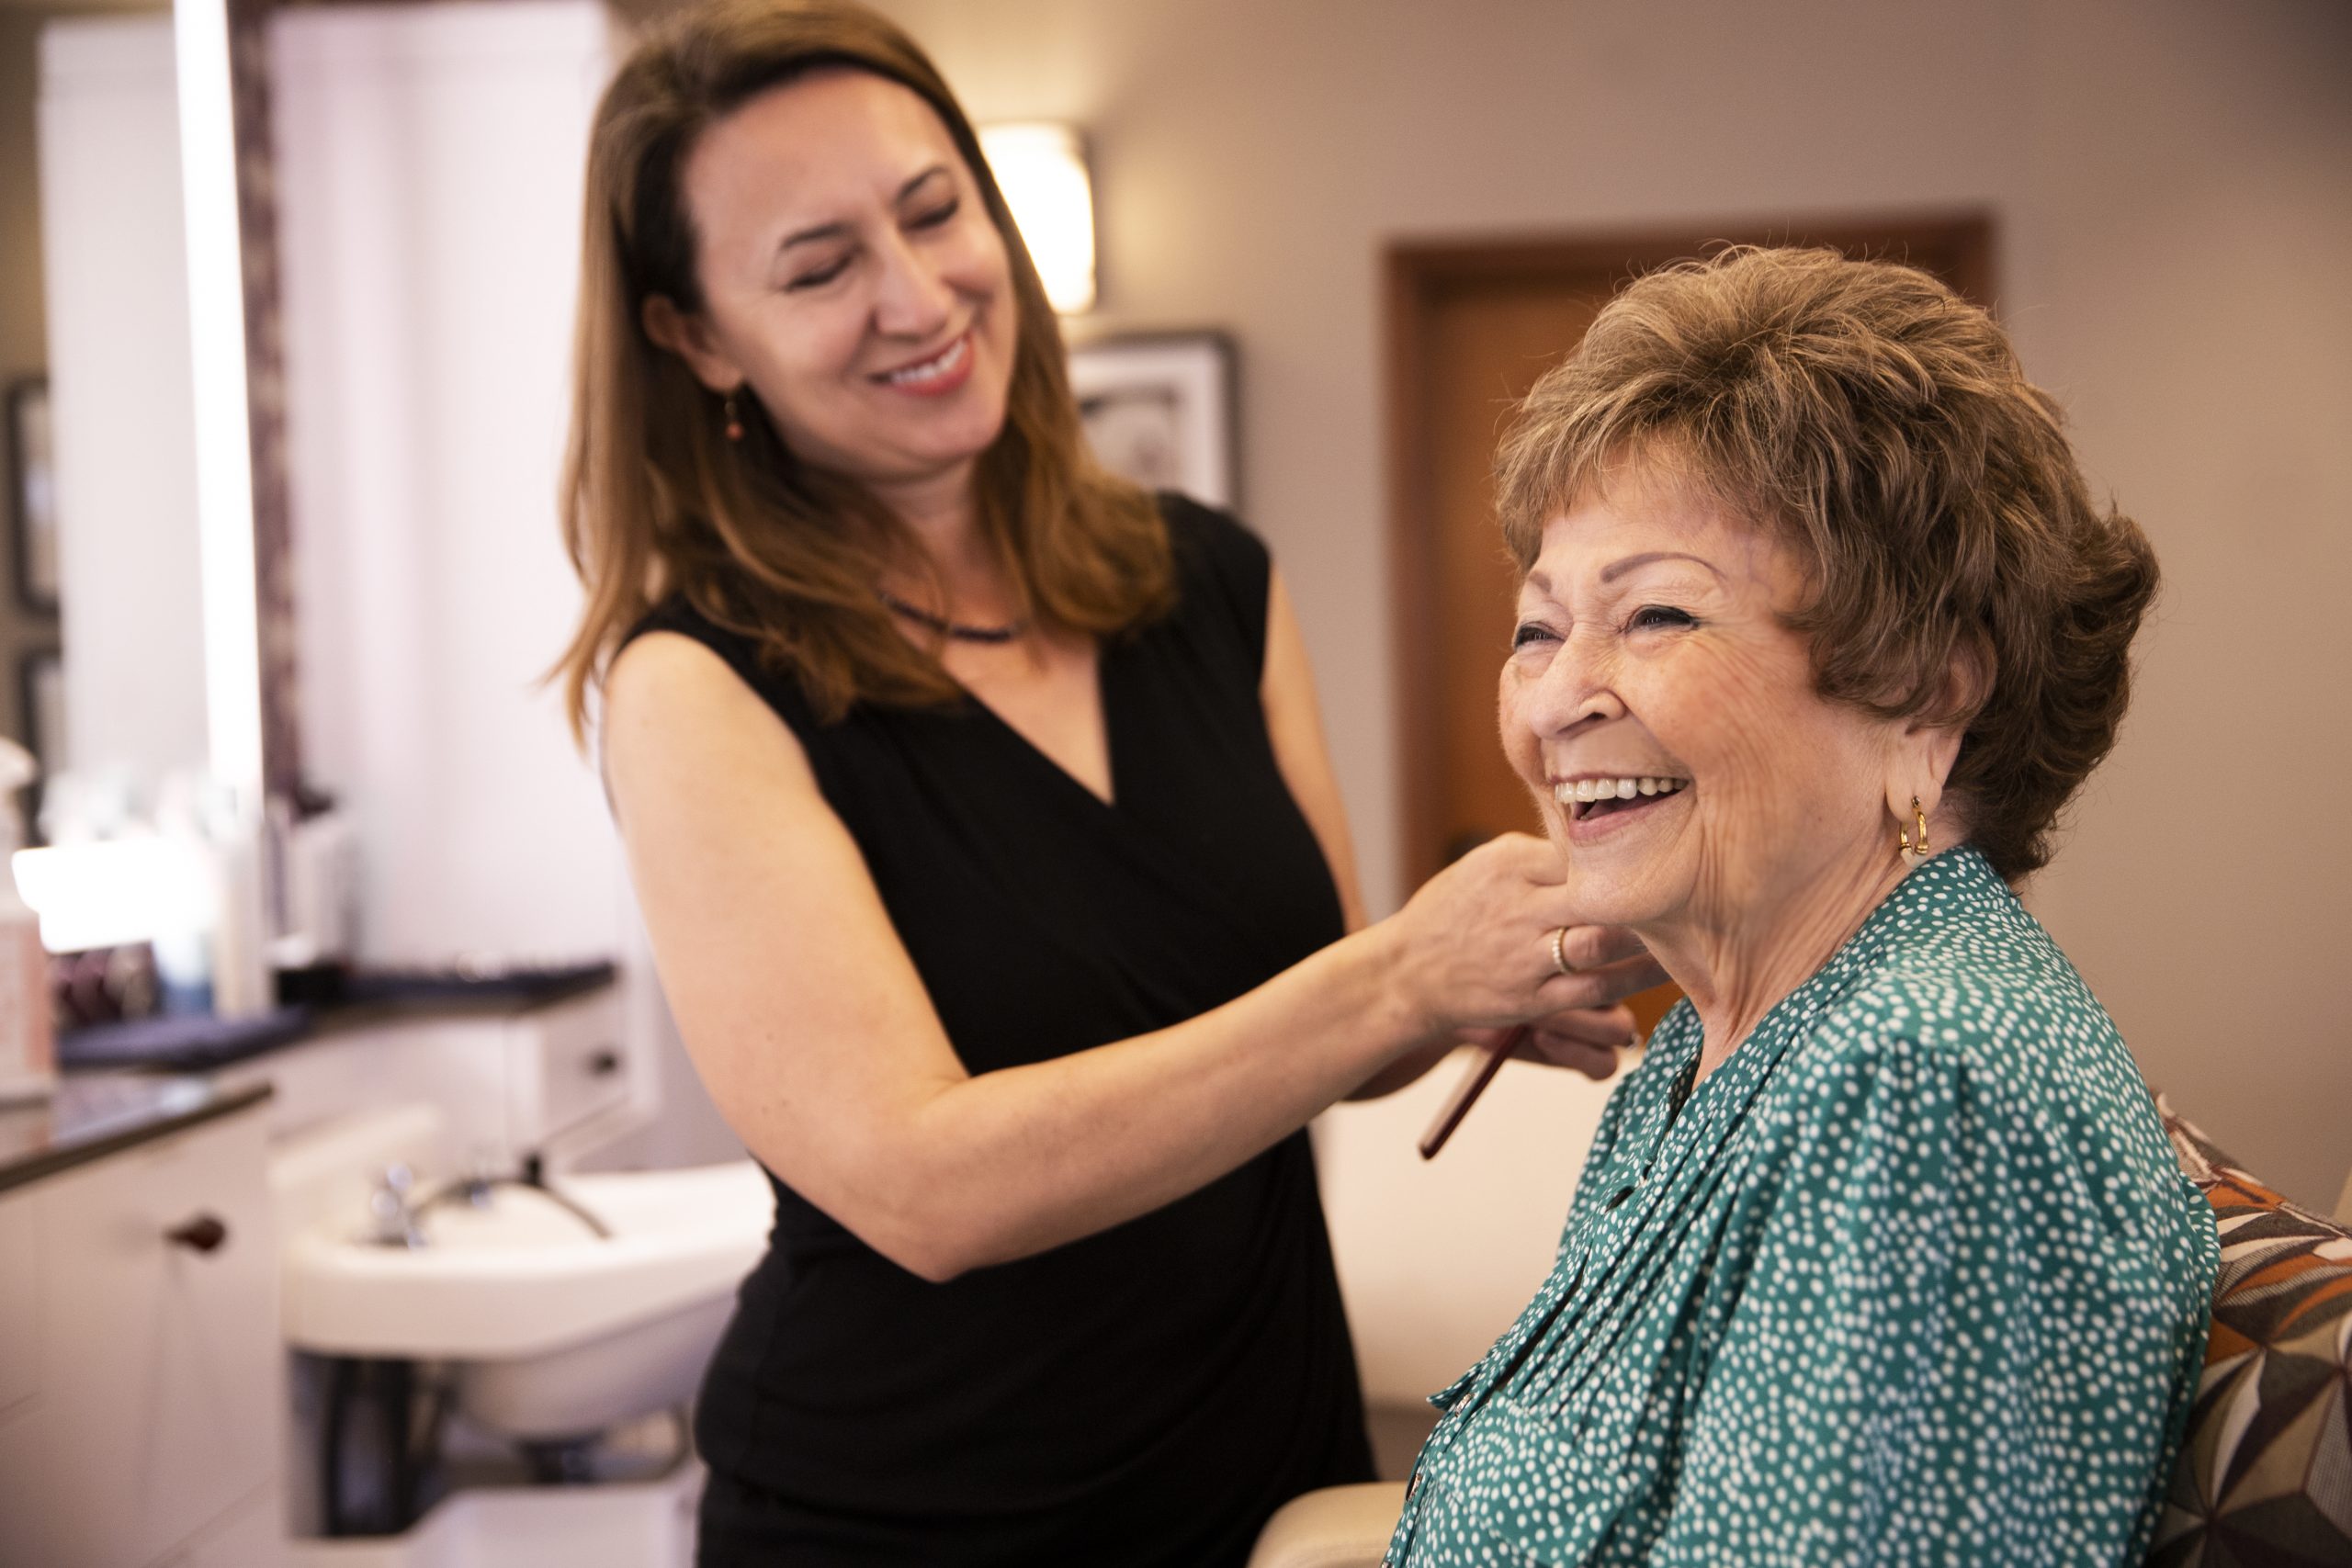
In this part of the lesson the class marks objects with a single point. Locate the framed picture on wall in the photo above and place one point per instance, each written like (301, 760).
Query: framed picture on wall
(32, 495)
(41, 693)
(1159, 409)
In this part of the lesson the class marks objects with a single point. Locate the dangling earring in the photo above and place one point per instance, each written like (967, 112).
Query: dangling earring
(734, 419)
(1903, 844)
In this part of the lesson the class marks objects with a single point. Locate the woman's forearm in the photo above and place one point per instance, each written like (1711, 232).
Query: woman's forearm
(815, 1035)
(977, 1171)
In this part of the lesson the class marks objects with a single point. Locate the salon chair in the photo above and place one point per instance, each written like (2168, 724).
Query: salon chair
(2257, 1477)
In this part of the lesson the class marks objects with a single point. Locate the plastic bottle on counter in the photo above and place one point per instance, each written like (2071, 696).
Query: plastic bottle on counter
(28, 1025)
(241, 973)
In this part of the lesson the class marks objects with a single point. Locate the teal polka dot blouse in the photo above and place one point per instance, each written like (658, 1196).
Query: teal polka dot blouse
(1911, 1278)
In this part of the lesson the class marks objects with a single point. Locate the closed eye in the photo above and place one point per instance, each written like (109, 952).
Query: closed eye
(817, 277)
(933, 217)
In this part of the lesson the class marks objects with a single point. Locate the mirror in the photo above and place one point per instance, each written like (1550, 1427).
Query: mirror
(132, 497)
(126, 386)
(31, 590)
(416, 170)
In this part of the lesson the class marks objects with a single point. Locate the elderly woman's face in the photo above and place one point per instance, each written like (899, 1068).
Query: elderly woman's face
(1665, 717)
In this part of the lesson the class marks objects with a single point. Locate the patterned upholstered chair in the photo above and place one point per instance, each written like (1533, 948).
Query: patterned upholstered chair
(2265, 1475)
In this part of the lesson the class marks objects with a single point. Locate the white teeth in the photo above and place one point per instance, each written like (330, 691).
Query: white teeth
(948, 358)
(1583, 792)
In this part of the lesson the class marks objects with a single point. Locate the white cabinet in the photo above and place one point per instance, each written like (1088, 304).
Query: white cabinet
(570, 1069)
(554, 1081)
(148, 1425)
(19, 1305)
(253, 1534)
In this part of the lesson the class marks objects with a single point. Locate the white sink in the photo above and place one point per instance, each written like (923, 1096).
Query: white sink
(559, 1332)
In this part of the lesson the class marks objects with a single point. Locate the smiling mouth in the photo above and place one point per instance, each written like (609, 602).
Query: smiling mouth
(939, 366)
(1588, 799)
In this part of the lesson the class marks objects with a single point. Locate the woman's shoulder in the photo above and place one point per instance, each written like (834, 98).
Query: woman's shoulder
(1965, 970)
(743, 653)
(1210, 542)
(1976, 1034)
(1211, 532)
(676, 613)
(1953, 969)
(2003, 1044)
(1224, 570)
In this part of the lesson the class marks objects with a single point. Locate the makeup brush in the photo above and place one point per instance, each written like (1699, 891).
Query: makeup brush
(1474, 1084)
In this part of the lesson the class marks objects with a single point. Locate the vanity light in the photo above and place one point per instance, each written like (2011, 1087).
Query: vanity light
(224, 469)
(1041, 168)
(115, 893)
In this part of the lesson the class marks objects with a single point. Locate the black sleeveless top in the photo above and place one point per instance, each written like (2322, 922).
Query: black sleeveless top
(1146, 1395)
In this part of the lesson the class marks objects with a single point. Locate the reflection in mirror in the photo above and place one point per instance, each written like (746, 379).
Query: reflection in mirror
(427, 165)
(60, 72)
(146, 730)
(28, 623)
(308, 304)
(427, 162)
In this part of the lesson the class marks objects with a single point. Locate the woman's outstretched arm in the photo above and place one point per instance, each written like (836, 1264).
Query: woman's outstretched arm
(812, 1030)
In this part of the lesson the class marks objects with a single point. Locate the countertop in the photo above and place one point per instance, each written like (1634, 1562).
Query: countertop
(92, 1116)
(202, 1044)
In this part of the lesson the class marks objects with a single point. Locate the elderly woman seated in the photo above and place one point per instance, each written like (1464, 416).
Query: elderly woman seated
(1879, 1255)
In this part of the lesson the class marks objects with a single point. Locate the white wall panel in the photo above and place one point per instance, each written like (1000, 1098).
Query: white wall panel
(122, 395)
(430, 165)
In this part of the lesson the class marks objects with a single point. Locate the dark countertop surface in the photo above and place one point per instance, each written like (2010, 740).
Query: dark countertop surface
(94, 1115)
(202, 1044)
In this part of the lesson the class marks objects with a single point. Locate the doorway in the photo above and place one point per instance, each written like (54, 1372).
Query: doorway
(1471, 325)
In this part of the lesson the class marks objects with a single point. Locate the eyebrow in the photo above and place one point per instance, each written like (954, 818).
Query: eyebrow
(836, 230)
(1618, 568)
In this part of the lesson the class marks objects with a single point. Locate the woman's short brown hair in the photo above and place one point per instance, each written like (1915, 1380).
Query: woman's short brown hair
(657, 500)
(1882, 427)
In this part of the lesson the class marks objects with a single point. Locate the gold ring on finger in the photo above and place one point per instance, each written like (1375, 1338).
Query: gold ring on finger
(1560, 951)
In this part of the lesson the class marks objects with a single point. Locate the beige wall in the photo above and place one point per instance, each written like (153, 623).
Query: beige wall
(2172, 184)
(22, 348)
(21, 351)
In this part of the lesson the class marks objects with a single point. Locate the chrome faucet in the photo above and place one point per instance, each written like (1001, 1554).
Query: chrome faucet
(394, 1215)
(392, 1222)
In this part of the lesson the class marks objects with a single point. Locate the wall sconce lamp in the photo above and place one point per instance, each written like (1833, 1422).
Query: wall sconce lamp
(1041, 168)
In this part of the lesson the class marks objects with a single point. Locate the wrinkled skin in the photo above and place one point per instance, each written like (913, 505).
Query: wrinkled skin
(1651, 642)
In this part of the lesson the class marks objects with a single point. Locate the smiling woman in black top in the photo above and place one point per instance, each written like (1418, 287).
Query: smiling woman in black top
(979, 812)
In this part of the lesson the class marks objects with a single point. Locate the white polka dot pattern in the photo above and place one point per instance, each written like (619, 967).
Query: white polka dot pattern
(1912, 1277)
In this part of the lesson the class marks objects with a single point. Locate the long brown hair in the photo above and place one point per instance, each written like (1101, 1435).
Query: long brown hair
(657, 500)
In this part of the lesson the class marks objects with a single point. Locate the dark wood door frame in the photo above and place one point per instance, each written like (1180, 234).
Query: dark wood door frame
(1956, 245)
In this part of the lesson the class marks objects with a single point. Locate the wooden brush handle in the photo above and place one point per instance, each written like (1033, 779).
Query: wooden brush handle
(1474, 1084)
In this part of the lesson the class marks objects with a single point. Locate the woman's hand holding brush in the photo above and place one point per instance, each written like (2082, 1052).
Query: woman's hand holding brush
(1589, 1040)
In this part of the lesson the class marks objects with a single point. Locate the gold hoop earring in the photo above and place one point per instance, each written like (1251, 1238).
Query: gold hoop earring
(734, 419)
(1903, 844)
